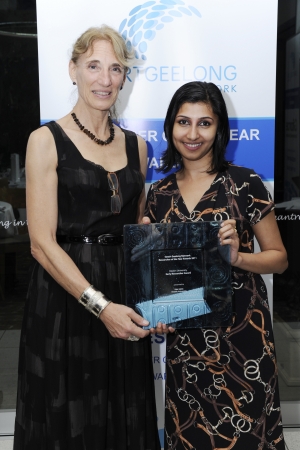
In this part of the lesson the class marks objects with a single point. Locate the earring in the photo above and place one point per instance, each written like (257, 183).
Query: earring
(74, 82)
(121, 87)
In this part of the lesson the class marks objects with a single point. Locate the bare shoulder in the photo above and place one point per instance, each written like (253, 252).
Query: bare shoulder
(141, 143)
(143, 154)
(41, 147)
(41, 136)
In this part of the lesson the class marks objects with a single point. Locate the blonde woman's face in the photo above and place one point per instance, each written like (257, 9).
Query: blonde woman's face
(99, 76)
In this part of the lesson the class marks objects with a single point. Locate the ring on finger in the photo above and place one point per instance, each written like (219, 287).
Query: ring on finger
(133, 338)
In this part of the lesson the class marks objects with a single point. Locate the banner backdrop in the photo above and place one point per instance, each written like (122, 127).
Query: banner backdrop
(231, 43)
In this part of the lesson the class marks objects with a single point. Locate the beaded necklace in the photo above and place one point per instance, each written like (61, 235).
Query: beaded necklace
(91, 135)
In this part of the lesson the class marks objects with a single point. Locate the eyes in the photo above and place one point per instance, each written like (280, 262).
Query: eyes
(114, 70)
(201, 123)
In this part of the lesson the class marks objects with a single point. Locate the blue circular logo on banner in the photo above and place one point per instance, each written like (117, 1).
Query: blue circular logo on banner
(146, 20)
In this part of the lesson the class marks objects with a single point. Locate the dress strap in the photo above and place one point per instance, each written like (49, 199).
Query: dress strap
(55, 129)
(132, 149)
(59, 138)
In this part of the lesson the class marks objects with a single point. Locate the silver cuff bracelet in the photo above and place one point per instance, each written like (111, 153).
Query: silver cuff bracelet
(94, 301)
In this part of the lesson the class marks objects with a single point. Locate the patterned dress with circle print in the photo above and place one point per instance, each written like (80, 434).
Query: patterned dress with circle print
(222, 384)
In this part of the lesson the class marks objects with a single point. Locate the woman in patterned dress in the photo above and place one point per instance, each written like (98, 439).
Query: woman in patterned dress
(222, 384)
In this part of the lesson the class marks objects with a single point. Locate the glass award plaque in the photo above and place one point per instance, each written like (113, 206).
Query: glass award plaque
(178, 274)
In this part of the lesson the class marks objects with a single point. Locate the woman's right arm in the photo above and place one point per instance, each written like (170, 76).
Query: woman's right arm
(41, 203)
(42, 214)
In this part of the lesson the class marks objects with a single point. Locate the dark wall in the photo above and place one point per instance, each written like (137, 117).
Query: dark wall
(19, 82)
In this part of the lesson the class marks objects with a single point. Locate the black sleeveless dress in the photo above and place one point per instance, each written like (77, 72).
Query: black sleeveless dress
(79, 388)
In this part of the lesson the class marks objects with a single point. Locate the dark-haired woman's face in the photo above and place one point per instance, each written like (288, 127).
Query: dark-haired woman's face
(194, 132)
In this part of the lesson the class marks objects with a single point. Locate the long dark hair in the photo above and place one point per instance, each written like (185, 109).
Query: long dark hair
(196, 92)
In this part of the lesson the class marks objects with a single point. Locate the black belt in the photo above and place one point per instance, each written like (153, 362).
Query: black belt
(103, 239)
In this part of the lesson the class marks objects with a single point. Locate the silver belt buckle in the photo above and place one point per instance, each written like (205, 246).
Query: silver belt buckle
(104, 239)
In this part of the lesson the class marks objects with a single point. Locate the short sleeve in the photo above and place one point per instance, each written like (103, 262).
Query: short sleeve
(150, 208)
(260, 202)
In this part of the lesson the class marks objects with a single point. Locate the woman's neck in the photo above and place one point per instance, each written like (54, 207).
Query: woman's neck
(92, 119)
(194, 170)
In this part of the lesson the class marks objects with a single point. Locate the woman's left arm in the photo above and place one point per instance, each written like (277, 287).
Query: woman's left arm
(160, 328)
(143, 164)
(272, 257)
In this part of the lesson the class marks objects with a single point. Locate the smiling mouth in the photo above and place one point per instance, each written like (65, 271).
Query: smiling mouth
(192, 146)
(101, 93)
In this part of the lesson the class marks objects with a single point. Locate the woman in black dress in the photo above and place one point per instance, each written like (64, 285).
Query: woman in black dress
(222, 384)
(85, 369)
